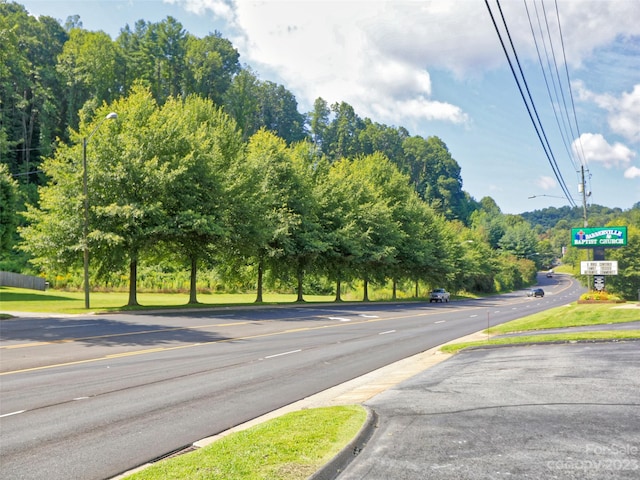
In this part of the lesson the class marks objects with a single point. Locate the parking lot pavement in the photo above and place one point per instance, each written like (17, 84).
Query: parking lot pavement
(568, 411)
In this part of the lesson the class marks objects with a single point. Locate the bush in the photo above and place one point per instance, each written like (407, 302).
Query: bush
(600, 296)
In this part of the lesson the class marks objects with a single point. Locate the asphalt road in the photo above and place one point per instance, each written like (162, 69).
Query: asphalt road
(88, 397)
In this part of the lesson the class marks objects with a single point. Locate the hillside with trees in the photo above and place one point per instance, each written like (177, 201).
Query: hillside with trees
(211, 179)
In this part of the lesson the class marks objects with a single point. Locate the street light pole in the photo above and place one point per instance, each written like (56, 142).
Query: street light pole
(85, 194)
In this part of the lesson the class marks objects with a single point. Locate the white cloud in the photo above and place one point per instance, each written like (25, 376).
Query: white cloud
(632, 172)
(220, 8)
(378, 55)
(347, 51)
(546, 183)
(588, 25)
(597, 149)
(624, 111)
(625, 116)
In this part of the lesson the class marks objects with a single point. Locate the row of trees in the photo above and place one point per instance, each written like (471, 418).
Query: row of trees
(208, 165)
(177, 181)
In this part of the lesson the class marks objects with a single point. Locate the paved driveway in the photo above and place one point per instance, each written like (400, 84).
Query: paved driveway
(543, 411)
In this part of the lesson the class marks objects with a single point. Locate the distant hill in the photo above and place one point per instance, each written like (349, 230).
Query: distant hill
(548, 218)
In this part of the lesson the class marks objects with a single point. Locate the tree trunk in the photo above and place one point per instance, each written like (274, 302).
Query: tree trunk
(365, 298)
(300, 275)
(133, 282)
(259, 287)
(395, 289)
(417, 291)
(338, 288)
(193, 290)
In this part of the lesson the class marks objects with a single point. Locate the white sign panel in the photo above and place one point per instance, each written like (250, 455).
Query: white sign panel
(599, 267)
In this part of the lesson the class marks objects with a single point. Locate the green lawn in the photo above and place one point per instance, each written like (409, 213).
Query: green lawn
(573, 315)
(290, 447)
(55, 301)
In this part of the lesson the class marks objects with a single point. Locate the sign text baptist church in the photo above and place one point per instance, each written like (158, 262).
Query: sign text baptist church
(599, 237)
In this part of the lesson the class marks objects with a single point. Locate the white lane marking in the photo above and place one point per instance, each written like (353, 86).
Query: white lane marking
(340, 318)
(369, 316)
(12, 413)
(440, 321)
(388, 331)
(283, 353)
(68, 326)
(472, 316)
(79, 398)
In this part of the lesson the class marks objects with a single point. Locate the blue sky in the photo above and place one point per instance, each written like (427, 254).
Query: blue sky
(437, 68)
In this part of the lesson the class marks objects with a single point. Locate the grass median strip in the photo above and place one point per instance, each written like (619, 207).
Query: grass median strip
(290, 447)
(573, 315)
(548, 338)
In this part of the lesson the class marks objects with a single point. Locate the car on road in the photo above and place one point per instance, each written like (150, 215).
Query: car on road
(439, 295)
(535, 292)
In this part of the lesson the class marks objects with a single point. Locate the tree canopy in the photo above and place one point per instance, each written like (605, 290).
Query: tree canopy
(209, 165)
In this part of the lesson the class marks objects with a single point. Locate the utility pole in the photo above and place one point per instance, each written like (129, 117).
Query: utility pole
(582, 188)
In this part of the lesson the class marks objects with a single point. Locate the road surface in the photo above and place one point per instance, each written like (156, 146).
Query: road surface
(88, 397)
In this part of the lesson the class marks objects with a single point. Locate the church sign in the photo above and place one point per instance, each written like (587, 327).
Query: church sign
(608, 237)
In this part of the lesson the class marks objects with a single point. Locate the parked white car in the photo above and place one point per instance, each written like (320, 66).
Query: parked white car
(439, 295)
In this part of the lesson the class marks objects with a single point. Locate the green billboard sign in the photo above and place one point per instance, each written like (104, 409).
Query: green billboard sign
(599, 237)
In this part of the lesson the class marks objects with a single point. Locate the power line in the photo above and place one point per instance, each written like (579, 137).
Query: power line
(573, 105)
(562, 126)
(537, 126)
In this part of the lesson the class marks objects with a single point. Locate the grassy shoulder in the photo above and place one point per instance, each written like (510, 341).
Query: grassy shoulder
(290, 447)
(573, 315)
(72, 302)
(56, 301)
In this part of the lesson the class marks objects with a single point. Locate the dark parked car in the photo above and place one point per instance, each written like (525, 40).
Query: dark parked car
(535, 292)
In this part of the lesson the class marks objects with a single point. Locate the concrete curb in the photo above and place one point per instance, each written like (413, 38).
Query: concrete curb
(341, 460)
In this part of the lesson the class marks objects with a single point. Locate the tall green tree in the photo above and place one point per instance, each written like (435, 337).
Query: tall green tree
(205, 146)
(375, 189)
(264, 234)
(341, 139)
(241, 101)
(318, 120)
(8, 210)
(30, 90)
(308, 241)
(520, 240)
(135, 64)
(278, 112)
(211, 63)
(375, 137)
(131, 166)
(170, 61)
(437, 177)
(88, 66)
(627, 282)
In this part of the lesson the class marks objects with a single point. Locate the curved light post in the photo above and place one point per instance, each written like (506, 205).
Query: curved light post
(85, 193)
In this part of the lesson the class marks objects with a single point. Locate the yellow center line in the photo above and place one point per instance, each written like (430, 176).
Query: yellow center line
(284, 332)
(227, 340)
